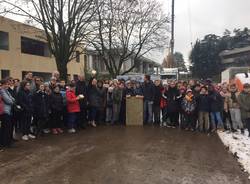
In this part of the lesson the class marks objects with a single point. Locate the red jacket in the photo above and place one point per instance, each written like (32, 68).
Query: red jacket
(72, 102)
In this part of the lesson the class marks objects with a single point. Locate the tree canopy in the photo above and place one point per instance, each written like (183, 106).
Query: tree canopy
(204, 57)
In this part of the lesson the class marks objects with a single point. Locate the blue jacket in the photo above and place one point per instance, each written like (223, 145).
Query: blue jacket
(8, 101)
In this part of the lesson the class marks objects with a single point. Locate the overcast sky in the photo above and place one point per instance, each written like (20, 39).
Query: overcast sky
(196, 18)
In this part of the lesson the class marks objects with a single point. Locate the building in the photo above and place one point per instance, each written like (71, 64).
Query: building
(23, 48)
(238, 57)
(93, 61)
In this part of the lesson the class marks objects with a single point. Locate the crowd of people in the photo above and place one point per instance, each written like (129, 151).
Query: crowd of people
(33, 107)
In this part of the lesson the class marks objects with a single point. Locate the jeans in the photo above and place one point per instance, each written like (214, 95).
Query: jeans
(216, 116)
(109, 114)
(148, 111)
(72, 117)
(93, 113)
(236, 118)
(116, 112)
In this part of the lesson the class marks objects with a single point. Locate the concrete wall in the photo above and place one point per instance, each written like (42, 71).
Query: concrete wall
(16, 62)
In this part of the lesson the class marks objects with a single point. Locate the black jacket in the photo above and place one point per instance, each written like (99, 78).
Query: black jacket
(148, 91)
(216, 102)
(41, 104)
(81, 89)
(24, 99)
(158, 95)
(56, 102)
(203, 103)
(95, 97)
(172, 95)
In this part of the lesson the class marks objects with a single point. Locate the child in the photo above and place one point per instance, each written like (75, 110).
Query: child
(73, 107)
(109, 108)
(56, 100)
(203, 110)
(188, 106)
(41, 108)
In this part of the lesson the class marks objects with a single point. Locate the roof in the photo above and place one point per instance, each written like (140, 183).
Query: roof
(235, 51)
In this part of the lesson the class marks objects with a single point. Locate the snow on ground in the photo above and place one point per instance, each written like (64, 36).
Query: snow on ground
(239, 145)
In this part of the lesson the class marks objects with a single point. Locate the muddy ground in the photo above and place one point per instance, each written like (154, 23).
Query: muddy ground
(119, 155)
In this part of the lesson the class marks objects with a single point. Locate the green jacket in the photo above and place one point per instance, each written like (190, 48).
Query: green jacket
(117, 96)
(244, 102)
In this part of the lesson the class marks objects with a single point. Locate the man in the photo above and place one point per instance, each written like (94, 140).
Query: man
(148, 93)
(81, 89)
(56, 74)
(244, 102)
(231, 106)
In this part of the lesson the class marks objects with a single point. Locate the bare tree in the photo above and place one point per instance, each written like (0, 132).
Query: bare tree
(128, 29)
(66, 24)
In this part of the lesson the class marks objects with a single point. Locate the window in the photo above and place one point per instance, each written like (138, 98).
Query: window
(4, 40)
(44, 75)
(5, 73)
(77, 56)
(34, 47)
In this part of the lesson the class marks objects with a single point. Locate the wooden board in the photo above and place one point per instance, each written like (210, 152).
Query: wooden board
(134, 111)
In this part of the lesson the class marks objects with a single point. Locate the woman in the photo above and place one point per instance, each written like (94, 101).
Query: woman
(95, 101)
(24, 99)
(6, 117)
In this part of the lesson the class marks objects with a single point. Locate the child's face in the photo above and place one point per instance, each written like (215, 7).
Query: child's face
(57, 90)
(203, 91)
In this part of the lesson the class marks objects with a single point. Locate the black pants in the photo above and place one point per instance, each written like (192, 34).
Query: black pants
(247, 124)
(56, 119)
(6, 130)
(25, 123)
(174, 118)
(156, 113)
(190, 121)
(225, 116)
(82, 117)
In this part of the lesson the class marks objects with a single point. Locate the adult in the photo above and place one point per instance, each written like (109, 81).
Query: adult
(172, 95)
(244, 102)
(24, 99)
(81, 89)
(149, 94)
(7, 121)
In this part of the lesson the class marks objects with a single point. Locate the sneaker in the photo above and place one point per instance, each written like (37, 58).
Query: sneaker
(93, 124)
(72, 130)
(46, 131)
(59, 130)
(54, 131)
(31, 136)
(25, 138)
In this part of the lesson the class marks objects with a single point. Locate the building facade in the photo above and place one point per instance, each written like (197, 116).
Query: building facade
(93, 61)
(238, 57)
(23, 48)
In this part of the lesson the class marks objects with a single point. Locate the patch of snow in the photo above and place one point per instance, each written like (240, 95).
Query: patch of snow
(239, 145)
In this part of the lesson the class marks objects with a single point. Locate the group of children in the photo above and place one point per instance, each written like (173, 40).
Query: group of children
(33, 107)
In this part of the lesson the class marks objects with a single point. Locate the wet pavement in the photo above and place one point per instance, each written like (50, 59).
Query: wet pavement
(121, 155)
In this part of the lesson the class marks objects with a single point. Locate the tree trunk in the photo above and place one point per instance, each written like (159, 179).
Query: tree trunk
(62, 68)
